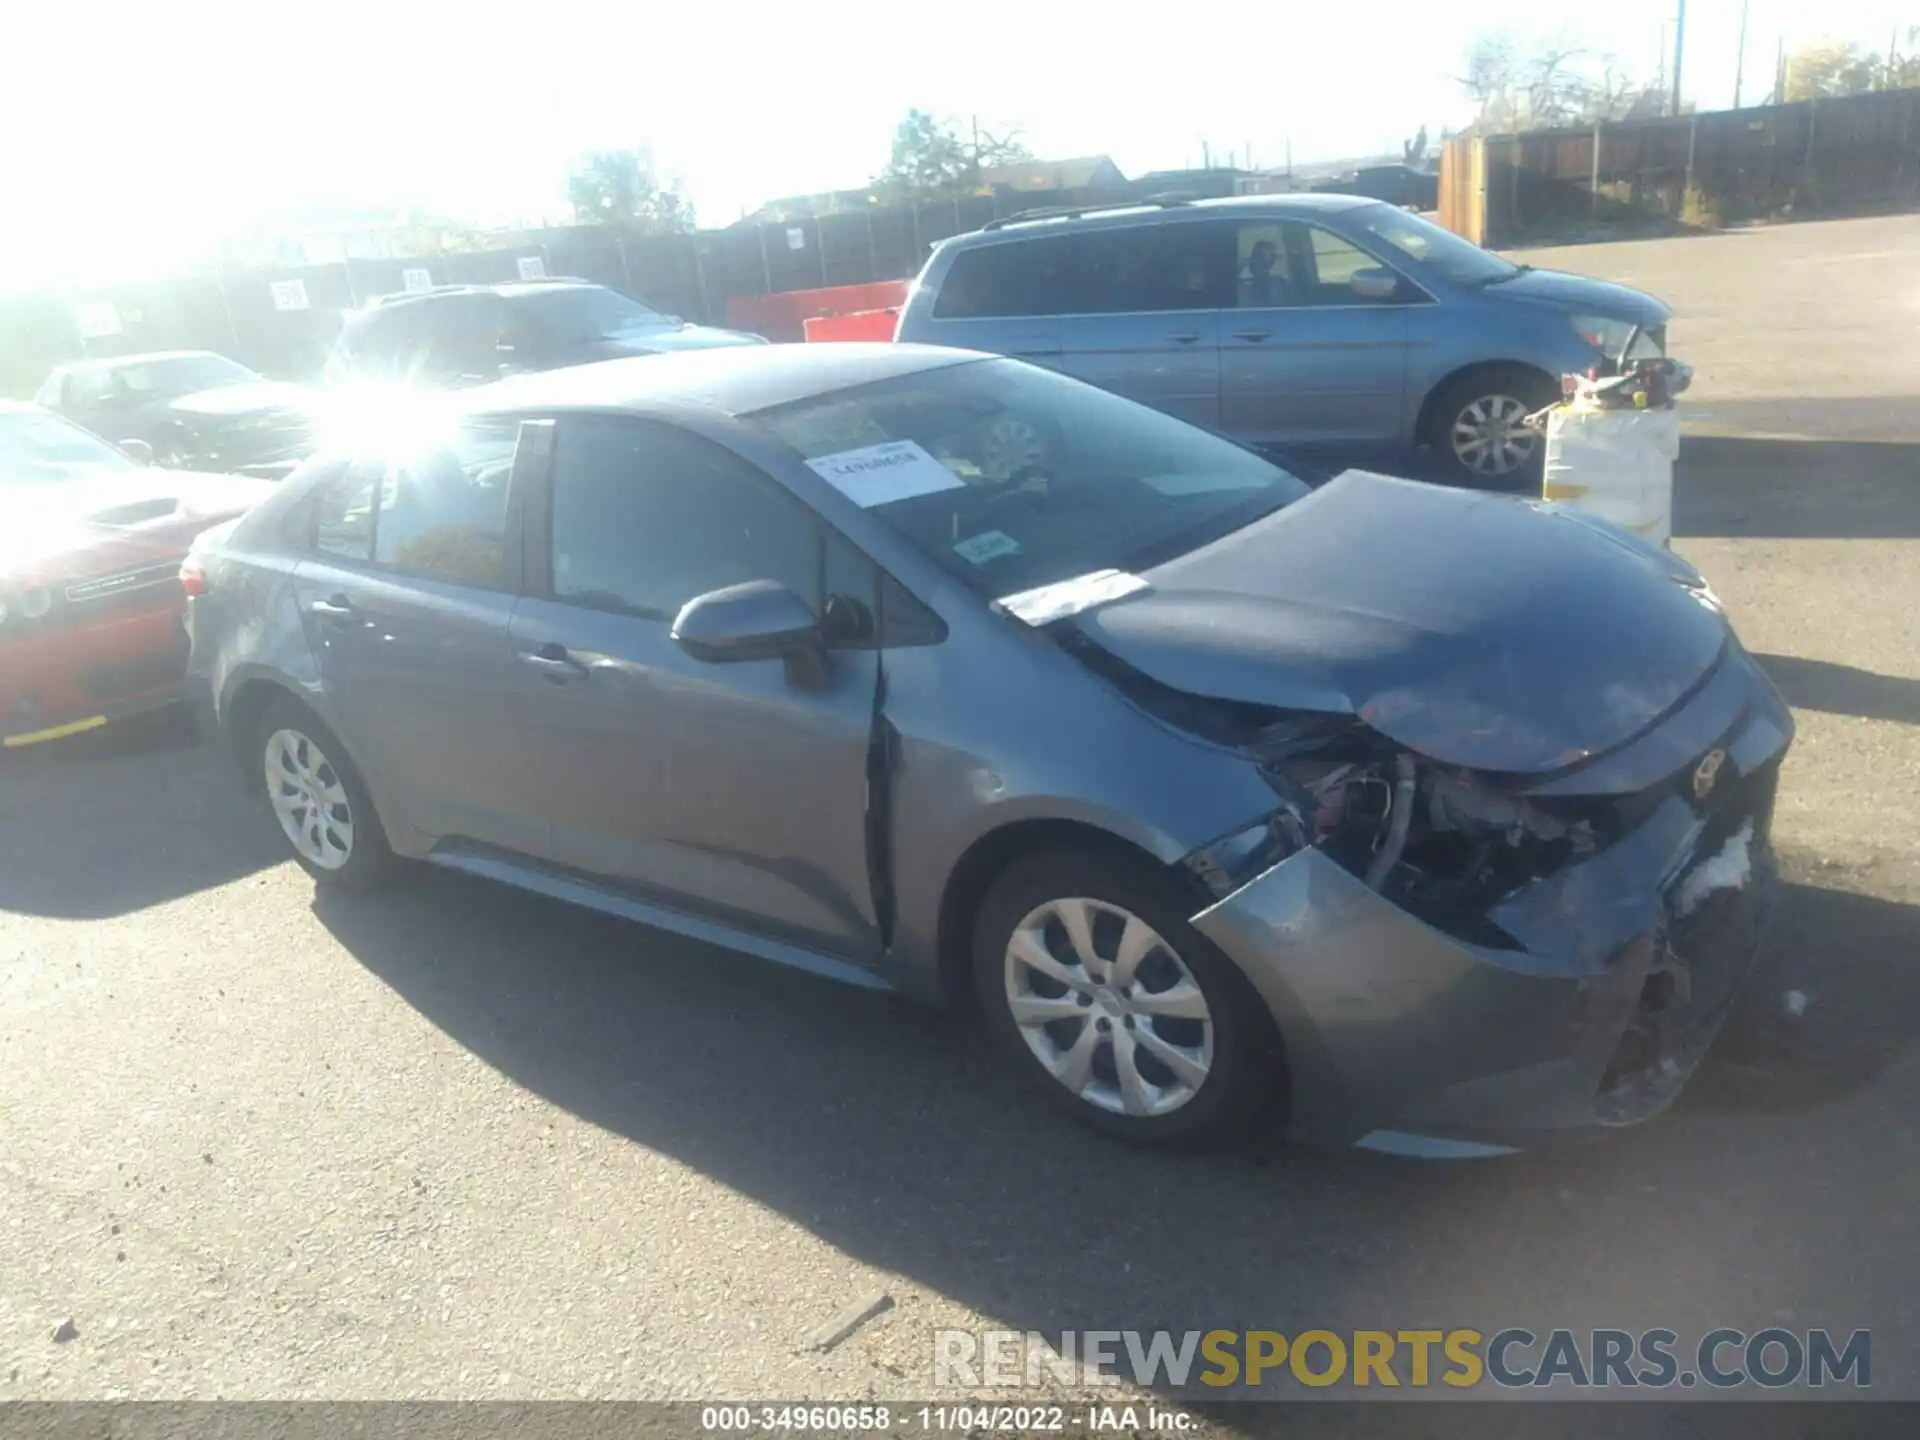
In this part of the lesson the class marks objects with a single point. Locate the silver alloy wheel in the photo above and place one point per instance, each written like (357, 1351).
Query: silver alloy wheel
(309, 799)
(1108, 1007)
(1488, 437)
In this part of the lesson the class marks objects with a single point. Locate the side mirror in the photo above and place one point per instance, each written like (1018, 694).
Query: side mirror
(760, 620)
(138, 451)
(1374, 284)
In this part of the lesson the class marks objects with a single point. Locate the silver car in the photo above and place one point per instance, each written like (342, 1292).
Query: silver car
(1438, 820)
(1308, 322)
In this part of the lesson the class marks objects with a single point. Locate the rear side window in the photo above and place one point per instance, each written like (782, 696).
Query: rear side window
(438, 513)
(343, 513)
(1182, 266)
(1011, 278)
(443, 512)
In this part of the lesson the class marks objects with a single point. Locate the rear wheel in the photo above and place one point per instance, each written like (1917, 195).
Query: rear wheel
(319, 799)
(1475, 428)
(1122, 1014)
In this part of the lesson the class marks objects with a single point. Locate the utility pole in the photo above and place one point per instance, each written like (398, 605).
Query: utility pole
(1740, 59)
(1679, 51)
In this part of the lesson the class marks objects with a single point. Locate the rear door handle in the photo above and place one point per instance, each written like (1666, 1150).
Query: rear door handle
(1185, 337)
(335, 609)
(1253, 334)
(554, 663)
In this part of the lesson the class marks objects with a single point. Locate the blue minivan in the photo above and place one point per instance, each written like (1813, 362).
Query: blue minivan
(1310, 322)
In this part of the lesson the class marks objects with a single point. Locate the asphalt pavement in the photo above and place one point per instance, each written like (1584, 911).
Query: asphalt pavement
(456, 1142)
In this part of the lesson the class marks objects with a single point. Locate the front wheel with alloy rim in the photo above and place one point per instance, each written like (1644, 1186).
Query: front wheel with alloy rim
(1095, 985)
(319, 800)
(1476, 429)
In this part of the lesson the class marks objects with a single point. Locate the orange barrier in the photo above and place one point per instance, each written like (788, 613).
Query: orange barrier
(783, 315)
(861, 325)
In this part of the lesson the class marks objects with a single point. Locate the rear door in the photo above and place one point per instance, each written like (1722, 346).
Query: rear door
(1145, 321)
(727, 791)
(1303, 360)
(406, 598)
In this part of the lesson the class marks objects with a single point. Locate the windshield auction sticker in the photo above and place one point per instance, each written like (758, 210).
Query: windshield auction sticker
(881, 474)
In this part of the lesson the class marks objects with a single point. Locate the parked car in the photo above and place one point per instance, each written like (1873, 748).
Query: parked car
(90, 596)
(456, 335)
(1305, 321)
(1403, 185)
(195, 409)
(1440, 817)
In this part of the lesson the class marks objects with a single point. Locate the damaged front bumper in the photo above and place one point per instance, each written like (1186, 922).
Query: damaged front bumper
(1403, 1038)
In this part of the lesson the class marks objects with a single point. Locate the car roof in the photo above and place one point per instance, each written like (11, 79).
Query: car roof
(146, 357)
(1148, 212)
(507, 289)
(732, 379)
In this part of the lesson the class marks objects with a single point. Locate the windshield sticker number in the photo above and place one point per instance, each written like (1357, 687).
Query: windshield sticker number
(990, 545)
(881, 474)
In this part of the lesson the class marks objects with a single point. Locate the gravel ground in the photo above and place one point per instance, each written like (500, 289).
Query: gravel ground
(456, 1142)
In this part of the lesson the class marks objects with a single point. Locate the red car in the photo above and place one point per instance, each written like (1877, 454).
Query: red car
(91, 601)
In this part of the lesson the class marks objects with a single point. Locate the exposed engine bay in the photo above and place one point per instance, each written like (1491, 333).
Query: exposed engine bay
(1442, 843)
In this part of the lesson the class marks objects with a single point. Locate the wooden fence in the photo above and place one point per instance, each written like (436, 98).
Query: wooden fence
(1853, 155)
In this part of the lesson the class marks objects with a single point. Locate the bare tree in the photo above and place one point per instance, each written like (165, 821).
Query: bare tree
(1541, 84)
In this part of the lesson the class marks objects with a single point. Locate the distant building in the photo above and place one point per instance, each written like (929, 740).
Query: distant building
(1089, 172)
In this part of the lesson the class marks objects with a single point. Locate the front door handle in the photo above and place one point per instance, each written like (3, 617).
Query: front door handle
(335, 609)
(1252, 335)
(1185, 337)
(554, 664)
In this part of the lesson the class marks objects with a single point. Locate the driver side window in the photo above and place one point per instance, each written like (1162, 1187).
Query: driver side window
(646, 517)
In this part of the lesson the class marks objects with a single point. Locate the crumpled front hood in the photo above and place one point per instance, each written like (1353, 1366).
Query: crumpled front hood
(1475, 629)
(255, 398)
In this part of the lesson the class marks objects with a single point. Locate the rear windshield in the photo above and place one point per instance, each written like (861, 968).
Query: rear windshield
(1013, 477)
(588, 312)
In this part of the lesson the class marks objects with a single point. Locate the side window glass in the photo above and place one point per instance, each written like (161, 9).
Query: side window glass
(646, 517)
(1265, 276)
(1019, 278)
(1335, 262)
(1151, 268)
(443, 513)
(343, 513)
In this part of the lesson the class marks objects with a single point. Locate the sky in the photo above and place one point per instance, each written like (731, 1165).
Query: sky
(135, 136)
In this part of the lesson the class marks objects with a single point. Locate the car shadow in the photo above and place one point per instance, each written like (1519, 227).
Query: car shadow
(896, 1136)
(122, 818)
(1796, 488)
(1843, 689)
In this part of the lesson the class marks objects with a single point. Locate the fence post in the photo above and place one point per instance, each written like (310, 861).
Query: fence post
(1593, 183)
(626, 269)
(873, 255)
(700, 282)
(1686, 189)
(766, 270)
(914, 211)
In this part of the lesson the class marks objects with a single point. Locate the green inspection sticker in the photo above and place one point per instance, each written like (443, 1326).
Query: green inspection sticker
(988, 545)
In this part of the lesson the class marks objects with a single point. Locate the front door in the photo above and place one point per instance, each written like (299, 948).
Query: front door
(724, 790)
(406, 596)
(1303, 360)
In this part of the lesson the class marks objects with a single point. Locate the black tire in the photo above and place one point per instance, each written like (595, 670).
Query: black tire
(1528, 389)
(1245, 1079)
(369, 860)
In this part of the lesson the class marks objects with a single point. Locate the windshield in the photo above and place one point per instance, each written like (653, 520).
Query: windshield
(1459, 260)
(1013, 477)
(180, 375)
(41, 449)
(588, 312)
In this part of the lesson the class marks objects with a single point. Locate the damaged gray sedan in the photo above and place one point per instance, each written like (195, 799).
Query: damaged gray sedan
(1435, 821)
